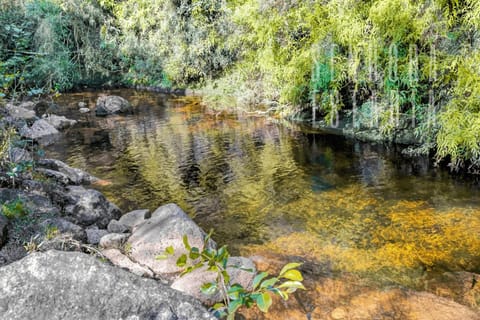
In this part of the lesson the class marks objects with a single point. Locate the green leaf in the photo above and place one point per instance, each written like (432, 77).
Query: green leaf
(292, 284)
(182, 260)
(289, 266)
(194, 253)
(294, 275)
(235, 291)
(222, 255)
(281, 293)
(209, 235)
(161, 257)
(258, 278)
(264, 301)
(269, 282)
(185, 242)
(233, 306)
(169, 250)
(226, 277)
(217, 306)
(209, 288)
(213, 268)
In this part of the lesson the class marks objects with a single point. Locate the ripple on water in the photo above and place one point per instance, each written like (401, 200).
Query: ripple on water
(357, 210)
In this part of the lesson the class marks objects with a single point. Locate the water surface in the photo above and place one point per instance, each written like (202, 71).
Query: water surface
(266, 186)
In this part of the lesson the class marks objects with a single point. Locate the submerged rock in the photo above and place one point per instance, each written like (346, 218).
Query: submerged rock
(107, 105)
(60, 285)
(165, 228)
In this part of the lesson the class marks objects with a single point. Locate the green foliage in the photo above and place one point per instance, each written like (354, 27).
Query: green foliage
(165, 41)
(234, 295)
(14, 209)
(51, 232)
(6, 140)
(52, 45)
(400, 59)
(459, 134)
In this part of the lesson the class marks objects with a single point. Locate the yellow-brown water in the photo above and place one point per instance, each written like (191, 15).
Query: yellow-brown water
(354, 212)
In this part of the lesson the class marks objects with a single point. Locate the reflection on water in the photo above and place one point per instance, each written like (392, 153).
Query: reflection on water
(266, 186)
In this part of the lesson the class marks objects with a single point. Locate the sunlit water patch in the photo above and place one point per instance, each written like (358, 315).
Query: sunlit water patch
(269, 188)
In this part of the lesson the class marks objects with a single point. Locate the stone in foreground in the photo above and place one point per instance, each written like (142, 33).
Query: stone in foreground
(165, 228)
(71, 285)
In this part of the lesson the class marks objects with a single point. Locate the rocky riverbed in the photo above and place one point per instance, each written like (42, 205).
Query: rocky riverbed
(68, 252)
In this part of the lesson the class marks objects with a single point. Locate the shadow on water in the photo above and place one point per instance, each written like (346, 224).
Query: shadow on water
(271, 188)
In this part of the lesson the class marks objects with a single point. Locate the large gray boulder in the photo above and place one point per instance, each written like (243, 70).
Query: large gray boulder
(165, 228)
(87, 207)
(72, 285)
(107, 105)
(41, 131)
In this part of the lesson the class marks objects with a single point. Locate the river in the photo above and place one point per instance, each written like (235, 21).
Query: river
(269, 188)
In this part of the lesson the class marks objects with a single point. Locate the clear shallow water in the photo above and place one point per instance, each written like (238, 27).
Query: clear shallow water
(270, 188)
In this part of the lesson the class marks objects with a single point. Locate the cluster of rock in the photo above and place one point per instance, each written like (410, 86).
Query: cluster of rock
(84, 220)
(38, 121)
(66, 218)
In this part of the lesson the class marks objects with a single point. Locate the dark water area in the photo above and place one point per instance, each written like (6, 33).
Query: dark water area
(266, 185)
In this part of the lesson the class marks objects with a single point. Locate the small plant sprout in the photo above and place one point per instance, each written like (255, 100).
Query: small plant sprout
(235, 296)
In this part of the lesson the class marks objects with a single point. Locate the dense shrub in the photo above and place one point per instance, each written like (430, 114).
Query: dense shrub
(49, 44)
(395, 64)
